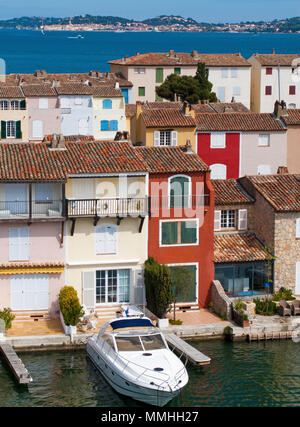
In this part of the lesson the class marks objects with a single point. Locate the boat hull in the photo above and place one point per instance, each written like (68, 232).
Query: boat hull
(123, 385)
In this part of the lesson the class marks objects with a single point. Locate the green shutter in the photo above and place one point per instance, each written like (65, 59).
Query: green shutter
(141, 91)
(23, 104)
(159, 75)
(18, 130)
(189, 232)
(3, 129)
(184, 282)
(177, 70)
(179, 192)
(169, 233)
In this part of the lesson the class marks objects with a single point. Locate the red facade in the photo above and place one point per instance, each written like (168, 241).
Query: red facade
(201, 253)
(228, 156)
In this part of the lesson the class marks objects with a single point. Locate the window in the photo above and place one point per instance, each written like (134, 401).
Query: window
(165, 137)
(159, 75)
(113, 125)
(224, 72)
(179, 191)
(18, 243)
(107, 125)
(228, 219)
(64, 103)
(264, 140)
(106, 239)
(218, 171)
(104, 125)
(184, 281)
(177, 70)
(78, 101)
(298, 228)
(292, 106)
(113, 286)
(11, 130)
(236, 91)
(142, 91)
(107, 104)
(3, 104)
(139, 70)
(43, 193)
(43, 103)
(234, 72)
(268, 90)
(179, 233)
(221, 93)
(15, 105)
(217, 140)
(263, 170)
(269, 70)
(292, 90)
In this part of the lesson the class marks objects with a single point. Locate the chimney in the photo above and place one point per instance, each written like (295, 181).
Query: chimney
(280, 109)
(188, 147)
(194, 53)
(282, 170)
(61, 142)
(117, 86)
(171, 53)
(273, 51)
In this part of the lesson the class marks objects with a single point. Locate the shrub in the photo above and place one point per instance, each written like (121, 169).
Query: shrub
(158, 286)
(175, 322)
(70, 305)
(239, 306)
(283, 293)
(6, 315)
(265, 307)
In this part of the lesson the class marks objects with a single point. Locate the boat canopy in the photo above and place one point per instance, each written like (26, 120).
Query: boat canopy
(130, 323)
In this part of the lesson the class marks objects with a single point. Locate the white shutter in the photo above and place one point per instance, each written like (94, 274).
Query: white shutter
(43, 103)
(156, 137)
(173, 137)
(13, 244)
(297, 284)
(37, 129)
(217, 226)
(110, 240)
(19, 244)
(243, 219)
(83, 188)
(24, 244)
(298, 228)
(88, 289)
(100, 240)
(263, 170)
(217, 140)
(139, 287)
(218, 171)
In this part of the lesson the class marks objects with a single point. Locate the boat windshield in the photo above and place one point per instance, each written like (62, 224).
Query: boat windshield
(140, 343)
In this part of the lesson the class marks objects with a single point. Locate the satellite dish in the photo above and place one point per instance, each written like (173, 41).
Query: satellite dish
(296, 70)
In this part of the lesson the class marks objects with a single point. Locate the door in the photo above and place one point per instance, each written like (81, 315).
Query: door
(29, 292)
(83, 127)
(16, 198)
(112, 286)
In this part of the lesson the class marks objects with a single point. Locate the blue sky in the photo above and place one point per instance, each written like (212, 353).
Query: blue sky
(201, 10)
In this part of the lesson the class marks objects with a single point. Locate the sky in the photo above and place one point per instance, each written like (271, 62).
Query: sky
(201, 10)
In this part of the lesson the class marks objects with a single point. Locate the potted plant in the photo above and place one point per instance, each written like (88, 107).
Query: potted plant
(70, 309)
(245, 321)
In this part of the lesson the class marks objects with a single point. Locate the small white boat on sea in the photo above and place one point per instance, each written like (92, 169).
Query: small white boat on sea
(134, 358)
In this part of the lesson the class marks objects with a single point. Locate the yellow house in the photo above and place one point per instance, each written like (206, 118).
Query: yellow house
(108, 112)
(164, 125)
(107, 223)
(13, 114)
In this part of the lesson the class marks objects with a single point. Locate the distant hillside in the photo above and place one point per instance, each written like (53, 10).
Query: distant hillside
(170, 20)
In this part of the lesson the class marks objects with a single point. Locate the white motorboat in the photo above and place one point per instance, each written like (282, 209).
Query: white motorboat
(134, 358)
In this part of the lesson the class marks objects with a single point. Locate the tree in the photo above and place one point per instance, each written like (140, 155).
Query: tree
(205, 85)
(186, 88)
(158, 287)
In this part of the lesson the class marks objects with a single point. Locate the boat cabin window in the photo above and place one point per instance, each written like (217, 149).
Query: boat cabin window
(153, 342)
(108, 339)
(129, 344)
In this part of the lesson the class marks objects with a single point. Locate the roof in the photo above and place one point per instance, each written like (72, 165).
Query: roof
(285, 60)
(74, 89)
(230, 192)
(10, 91)
(100, 157)
(235, 247)
(281, 191)
(167, 117)
(237, 121)
(182, 59)
(106, 91)
(38, 90)
(29, 162)
(164, 159)
(292, 118)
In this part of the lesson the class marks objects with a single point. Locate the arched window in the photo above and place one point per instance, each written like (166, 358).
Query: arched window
(179, 191)
(218, 171)
(107, 104)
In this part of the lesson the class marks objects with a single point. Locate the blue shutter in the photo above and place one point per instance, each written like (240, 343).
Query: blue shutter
(114, 125)
(104, 125)
(107, 104)
(125, 94)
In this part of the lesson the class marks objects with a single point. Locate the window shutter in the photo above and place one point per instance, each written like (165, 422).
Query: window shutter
(100, 240)
(111, 240)
(3, 129)
(114, 125)
(156, 137)
(104, 125)
(169, 233)
(88, 289)
(19, 244)
(298, 228)
(107, 104)
(173, 138)
(263, 170)
(18, 130)
(243, 219)
(139, 287)
(217, 225)
(23, 104)
(24, 243)
(37, 129)
(13, 244)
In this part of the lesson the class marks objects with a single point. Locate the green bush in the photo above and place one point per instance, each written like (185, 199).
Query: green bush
(158, 286)
(239, 305)
(265, 307)
(283, 293)
(175, 322)
(6, 315)
(70, 305)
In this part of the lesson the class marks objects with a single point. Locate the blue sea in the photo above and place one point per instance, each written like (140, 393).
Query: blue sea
(25, 51)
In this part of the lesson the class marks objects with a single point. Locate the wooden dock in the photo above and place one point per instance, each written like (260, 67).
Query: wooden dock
(15, 363)
(184, 349)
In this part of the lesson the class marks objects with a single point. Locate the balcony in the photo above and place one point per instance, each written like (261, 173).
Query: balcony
(31, 211)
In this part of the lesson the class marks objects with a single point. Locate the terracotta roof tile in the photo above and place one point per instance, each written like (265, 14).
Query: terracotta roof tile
(10, 91)
(293, 117)
(230, 192)
(238, 248)
(171, 159)
(38, 90)
(166, 117)
(74, 89)
(237, 122)
(285, 60)
(281, 191)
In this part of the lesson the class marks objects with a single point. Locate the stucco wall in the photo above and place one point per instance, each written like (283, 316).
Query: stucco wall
(49, 116)
(293, 149)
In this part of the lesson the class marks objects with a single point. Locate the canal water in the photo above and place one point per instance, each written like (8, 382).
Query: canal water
(240, 374)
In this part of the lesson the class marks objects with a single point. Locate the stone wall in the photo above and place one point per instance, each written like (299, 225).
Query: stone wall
(221, 302)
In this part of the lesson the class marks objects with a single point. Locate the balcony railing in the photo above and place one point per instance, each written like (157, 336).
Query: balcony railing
(123, 207)
(27, 210)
